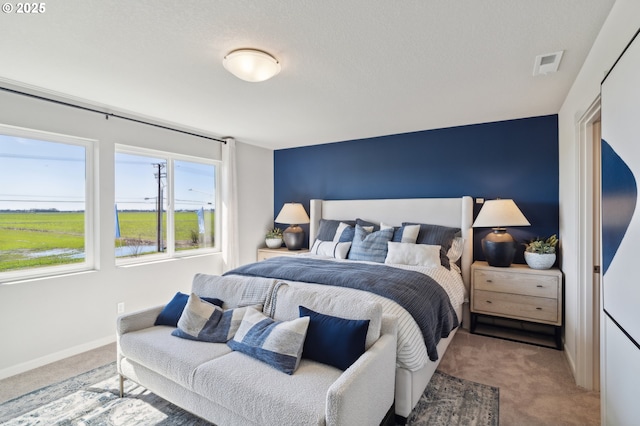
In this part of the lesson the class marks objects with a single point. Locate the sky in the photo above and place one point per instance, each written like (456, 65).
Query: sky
(46, 175)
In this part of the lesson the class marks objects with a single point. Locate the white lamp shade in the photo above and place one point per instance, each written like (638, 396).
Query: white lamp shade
(499, 214)
(292, 214)
(251, 65)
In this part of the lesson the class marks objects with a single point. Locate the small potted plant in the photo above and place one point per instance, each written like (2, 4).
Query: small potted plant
(274, 238)
(540, 253)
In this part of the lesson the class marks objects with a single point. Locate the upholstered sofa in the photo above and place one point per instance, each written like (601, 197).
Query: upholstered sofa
(229, 387)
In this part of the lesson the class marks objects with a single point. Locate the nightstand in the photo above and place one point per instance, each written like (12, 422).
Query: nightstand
(530, 297)
(266, 253)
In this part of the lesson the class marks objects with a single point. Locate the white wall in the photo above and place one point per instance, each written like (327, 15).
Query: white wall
(255, 189)
(617, 31)
(48, 319)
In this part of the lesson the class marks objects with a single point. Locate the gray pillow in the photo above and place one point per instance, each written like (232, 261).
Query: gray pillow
(327, 228)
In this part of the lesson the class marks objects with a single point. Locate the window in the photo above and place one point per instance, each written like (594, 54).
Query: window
(45, 208)
(165, 204)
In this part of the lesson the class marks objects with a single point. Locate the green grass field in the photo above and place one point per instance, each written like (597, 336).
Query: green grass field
(30, 240)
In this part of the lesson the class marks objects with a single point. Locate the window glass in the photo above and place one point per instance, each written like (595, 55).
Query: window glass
(194, 192)
(43, 203)
(141, 204)
(165, 203)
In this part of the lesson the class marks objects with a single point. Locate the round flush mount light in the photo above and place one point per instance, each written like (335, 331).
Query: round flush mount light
(251, 65)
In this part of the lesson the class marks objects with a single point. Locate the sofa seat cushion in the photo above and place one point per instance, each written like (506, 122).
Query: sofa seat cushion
(257, 391)
(170, 356)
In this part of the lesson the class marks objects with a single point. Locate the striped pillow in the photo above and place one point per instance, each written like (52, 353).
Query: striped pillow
(206, 322)
(277, 343)
(370, 246)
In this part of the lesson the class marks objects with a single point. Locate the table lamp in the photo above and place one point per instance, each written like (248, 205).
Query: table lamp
(293, 214)
(499, 247)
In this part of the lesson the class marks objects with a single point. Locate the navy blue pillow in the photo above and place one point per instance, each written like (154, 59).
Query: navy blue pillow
(347, 234)
(361, 222)
(332, 340)
(173, 310)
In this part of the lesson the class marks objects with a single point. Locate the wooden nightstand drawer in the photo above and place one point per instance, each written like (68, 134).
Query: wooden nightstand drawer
(517, 301)
(523, 283)
(527, 308)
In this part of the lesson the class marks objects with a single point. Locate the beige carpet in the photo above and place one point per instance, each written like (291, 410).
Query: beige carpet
(536, 385)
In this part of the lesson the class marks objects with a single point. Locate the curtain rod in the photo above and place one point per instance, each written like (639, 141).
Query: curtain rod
(109, 114)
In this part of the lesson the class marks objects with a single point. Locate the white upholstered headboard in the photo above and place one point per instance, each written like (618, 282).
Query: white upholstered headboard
(453, 212)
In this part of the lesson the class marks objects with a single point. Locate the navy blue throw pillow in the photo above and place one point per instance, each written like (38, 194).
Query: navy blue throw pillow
(332, 340)
(173, 310)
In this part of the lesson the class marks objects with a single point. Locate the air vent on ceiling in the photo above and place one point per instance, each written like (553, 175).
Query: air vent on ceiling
(547, 63)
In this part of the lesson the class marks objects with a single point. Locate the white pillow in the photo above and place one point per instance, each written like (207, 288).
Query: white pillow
(455, 252)
(413, 254)
(331, 249)
(410, 233)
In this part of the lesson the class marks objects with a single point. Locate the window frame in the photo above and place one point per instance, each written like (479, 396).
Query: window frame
(90, 219)
(171, 252)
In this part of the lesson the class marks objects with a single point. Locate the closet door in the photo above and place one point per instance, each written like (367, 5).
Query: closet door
(621, 238)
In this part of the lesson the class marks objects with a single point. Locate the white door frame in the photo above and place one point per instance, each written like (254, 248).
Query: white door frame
(587, 347)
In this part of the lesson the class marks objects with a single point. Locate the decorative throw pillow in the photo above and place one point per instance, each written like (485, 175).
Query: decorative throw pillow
(327, 228)
(437, 235)
(405, 234)
(369, 226)
(171, 312)
(370, 246)
(344, 233)
(277, 343)
(455, 252)
(333, 340)
(331, 248)
(413, 254)
(206, 322)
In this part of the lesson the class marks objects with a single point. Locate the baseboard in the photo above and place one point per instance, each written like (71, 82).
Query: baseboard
(570, 360)
(56, 356)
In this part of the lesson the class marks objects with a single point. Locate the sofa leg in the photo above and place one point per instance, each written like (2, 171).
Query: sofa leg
(389, 418)
(401, 420)
(121, 385)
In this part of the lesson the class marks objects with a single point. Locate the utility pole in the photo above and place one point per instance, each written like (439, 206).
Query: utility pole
(159, 175)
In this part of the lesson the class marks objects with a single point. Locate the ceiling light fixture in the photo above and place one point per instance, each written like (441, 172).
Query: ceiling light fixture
(251, 65)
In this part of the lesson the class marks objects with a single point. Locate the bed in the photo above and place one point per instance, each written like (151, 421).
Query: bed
(417, 361)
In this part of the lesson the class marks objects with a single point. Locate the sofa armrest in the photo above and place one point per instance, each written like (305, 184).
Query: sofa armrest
(137, 320)
(363, 394)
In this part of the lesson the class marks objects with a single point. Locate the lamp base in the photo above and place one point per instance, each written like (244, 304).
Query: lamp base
(499, 248)
(293, 237)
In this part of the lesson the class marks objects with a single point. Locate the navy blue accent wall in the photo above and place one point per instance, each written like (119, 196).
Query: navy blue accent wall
(515, 159)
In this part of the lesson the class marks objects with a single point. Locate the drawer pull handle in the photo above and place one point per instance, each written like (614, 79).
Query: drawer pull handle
(488, 301)
(489, 281)
(539, 309)
(539, 286)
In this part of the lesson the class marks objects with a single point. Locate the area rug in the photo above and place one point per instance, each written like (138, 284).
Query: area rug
(91, 399)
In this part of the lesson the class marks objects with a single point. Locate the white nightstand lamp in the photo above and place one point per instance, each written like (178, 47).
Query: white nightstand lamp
(499, 247)
(293, 214)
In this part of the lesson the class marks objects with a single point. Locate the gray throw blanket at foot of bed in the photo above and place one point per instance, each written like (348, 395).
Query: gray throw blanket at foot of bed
(426, 301)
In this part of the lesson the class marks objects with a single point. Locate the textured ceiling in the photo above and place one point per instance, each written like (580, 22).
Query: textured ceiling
(350, 69)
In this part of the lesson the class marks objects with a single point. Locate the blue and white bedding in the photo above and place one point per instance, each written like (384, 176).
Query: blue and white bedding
(424, 299)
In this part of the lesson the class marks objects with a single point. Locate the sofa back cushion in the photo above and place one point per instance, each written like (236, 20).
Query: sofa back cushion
(284, 303)
(235, 290)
